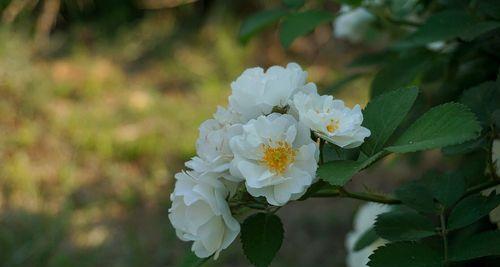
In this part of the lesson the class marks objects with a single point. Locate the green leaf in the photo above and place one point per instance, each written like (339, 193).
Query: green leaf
(448, 188)
(490, 8)
(403, 225)
(407, 254)
(483, 100)
(476, 246)
(294, 3)
(340, 83)
(416, 196)
(190, 260)
(441, 126)
(383, 115)
(349, 2)
(400, 72)
(340, 172)
(479, 28)
(466, 147)
(366, 239)
(440, 26)
(261, 236)
(302, 23)
(259, 21)
(366, 60)
(472, 209)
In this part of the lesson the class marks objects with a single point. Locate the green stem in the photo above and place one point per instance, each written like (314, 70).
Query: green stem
(342, 192)
(444, 235)
(478, 188)
(403, 22)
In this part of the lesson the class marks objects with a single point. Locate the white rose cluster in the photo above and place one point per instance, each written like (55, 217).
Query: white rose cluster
(262, 144)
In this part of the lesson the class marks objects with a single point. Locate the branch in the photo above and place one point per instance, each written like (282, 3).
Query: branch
(378, 198)
(342, 192)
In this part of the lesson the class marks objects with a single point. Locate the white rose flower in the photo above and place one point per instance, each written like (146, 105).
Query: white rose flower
(212, 146)
(364, 220)
(256, 92)
(276, 157)
(353, 24)
(332, 119)
(201, 214)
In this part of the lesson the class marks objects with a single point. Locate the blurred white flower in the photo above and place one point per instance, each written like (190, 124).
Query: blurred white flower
(332, 119)
(363, 221)
(353, 24)
(212, 146)
(495, 159)
(201, 214)
(495, 155)
(436, 46)
(276, 157)
(256, 92)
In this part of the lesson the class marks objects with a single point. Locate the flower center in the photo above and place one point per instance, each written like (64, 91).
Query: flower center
(278, 158)
(332, 126)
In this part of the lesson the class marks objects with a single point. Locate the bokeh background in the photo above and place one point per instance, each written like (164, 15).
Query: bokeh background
(100, 102)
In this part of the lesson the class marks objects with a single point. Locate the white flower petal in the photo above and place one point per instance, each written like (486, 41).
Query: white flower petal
(291, 162)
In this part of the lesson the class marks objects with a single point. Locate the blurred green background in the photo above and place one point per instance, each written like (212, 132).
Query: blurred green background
(100, 102)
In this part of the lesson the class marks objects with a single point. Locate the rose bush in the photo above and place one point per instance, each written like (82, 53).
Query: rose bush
(435, 86)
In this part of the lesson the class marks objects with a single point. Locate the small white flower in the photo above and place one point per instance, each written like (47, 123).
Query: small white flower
(276, 157)
(353, 24)
(332, 119)
(201, 214)
(364, 220)
(256, 92)
(212, 146)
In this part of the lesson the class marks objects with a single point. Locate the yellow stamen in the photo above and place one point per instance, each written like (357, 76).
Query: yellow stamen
(332, 126)
(277, 158)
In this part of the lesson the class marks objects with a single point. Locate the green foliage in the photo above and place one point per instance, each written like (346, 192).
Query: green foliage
(448, 188)
(372, 59)
(340, 83)
(190, 260)
(301, 23)
(403, 225)
(408, 254)
(476, 246)
(366, 239)
(261, 236)
(400, 72)
(441, 26)
(383, 115)
(444, 125)
(478, 29)
(294, 3)
(472, 209)
(339, 172)
(449, 49)
(483, 100)
(258, 22)
(416, 196)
